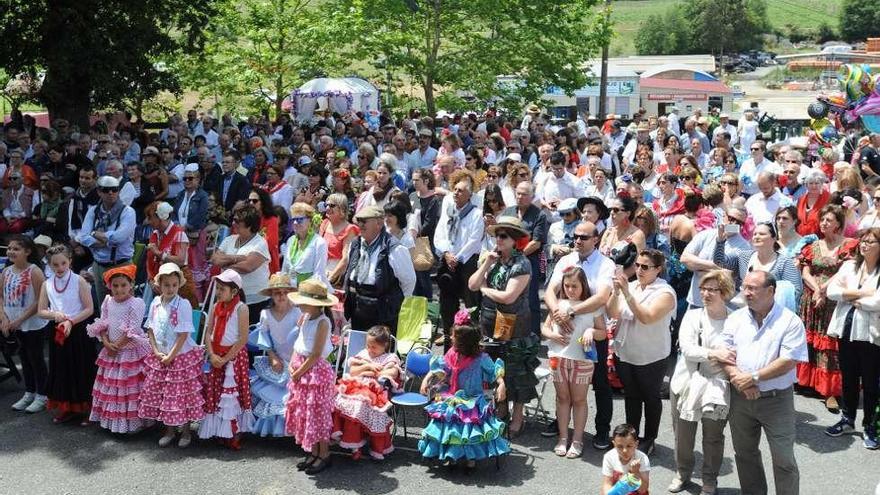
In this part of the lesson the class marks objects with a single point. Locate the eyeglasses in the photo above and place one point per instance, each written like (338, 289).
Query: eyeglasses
(109, 190)
(710, 290)
(189, 179)
(254, 201)
(640, 266)
(582, 237)
(735, 220)
(868, 242)
(298, 220)
(331, 205)
(727, 183)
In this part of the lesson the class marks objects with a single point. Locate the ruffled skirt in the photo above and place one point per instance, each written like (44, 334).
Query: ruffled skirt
(227, 399)
(269, 394)
(173, 394)
(822, 371)
(118, 386)
(310, 403)
(463, 427)
(361, 416)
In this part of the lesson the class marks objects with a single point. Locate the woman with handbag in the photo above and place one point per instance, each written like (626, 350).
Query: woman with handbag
(503, 279)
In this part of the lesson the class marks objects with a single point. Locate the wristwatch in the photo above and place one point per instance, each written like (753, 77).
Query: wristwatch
(755, 377)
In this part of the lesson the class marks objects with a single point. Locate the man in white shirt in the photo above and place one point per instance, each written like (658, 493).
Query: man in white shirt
(457, 242)
(211, 137)
(424, 155)
(127, 193)
(724, 125)
(379, 275)
(769, 341)
(643, 136)
(757, 163)
(697, 152)
(599, 271)
(674, 120)
(764, 205)
(556, 185)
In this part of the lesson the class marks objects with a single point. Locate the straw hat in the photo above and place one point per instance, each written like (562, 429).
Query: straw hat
(533, 109)
(168, 269)
(277, 281)
(511, 224)
(312, 292)
(127, 270)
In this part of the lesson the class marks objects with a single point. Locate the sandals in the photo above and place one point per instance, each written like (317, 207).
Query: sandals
(560, 449)
(575, 451)
(306, 463)
(319, 465)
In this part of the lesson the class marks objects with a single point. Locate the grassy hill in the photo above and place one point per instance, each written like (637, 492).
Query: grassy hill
(806, 15)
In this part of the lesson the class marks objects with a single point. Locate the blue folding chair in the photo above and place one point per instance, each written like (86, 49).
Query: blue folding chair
(418, 364)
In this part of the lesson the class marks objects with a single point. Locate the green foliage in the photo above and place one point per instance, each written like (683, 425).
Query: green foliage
(700, 26)
(98, 53)
(257, 51)
(859, 19)
(825, 33)
(466, 44)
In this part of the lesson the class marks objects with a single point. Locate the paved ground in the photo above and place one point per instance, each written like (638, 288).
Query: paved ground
(37, 457)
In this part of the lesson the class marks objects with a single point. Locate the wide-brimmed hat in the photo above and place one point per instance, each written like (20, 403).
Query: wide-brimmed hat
(592, 200)
(512, 224)
(278, 281)
(229, 276)
(533, 109)
(168, 269)
(643, 126)
(127, 270)
(312, 292)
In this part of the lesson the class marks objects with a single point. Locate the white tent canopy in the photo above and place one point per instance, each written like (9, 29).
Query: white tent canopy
(336, 94)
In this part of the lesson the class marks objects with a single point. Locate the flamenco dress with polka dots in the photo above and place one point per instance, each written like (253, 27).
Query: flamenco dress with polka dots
(311, 398)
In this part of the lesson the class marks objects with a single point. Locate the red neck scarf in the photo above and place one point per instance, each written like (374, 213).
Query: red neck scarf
(457, 362)
(165, 244)
(222, 312)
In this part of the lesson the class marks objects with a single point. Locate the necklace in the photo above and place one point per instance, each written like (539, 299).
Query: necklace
(62, 289)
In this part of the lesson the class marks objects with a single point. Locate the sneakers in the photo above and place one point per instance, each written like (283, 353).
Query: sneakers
(678, 484)
(845, 425)
(869, 439)
(39, 404)
(551, 430)
(24, 402)
(600, 441)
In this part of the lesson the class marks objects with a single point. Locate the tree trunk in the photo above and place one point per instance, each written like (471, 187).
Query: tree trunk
(67, 97)
(429, 93)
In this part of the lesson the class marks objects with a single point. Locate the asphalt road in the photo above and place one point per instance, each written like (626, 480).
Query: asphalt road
(37, 457)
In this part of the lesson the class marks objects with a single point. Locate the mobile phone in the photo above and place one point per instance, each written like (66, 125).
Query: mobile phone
(731, 228)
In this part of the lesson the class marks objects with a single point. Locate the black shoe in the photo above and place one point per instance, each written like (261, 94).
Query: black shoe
(647, 446)
(600, 441)
(320, 465)
(551, 430)
(306, 463)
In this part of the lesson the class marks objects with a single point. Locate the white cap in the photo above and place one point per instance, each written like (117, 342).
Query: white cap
(191, 167)
(514, 157)
(163, 211)
(43, 240)
(304, 160)
(566, 205)
(230, 276)
(108, 181)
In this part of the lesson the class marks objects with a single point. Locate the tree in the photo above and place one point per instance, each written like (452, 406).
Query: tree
(97, 53)
(466, 44)
(700, 26)
(261, 49)
(859, 20)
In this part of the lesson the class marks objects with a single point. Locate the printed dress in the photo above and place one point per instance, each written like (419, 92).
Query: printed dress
(172, 393)
(311, 398)
(463, 425)
(269, 387)
(228, 388)
(120, 376)
(822, 371)
(362, 405)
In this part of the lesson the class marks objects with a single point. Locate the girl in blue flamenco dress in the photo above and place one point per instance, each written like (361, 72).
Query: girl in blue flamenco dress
(463, 425)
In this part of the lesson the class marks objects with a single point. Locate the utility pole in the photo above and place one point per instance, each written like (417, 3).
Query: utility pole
(603, 78)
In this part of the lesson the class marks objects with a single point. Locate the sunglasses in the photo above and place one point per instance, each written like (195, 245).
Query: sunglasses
(735, 220)
(297, 220)
(189, 179)
(15, 178)
(109, 190)
(582, 237)
(614, 209)
(254, 201)
(641, 266)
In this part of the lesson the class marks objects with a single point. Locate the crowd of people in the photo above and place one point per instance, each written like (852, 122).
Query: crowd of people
(615, 247)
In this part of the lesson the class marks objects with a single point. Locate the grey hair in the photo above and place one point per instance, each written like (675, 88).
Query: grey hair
(816, 176)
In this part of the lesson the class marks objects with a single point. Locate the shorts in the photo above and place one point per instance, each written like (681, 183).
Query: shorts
(572, 371)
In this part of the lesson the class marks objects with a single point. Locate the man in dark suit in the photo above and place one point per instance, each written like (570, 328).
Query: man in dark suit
(233, 186)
